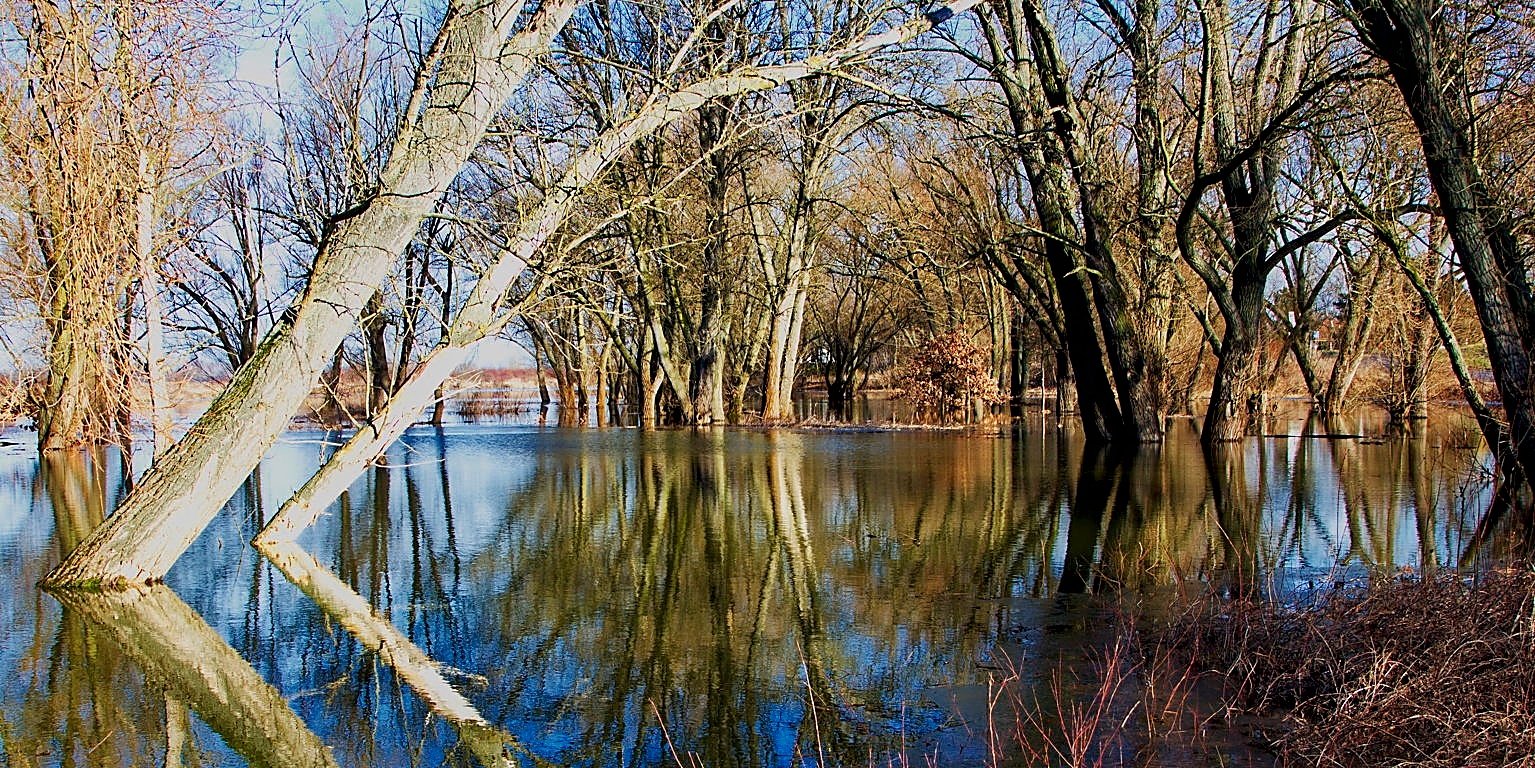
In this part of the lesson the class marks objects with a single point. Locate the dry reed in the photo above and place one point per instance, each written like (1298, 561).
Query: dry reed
(1407, 672)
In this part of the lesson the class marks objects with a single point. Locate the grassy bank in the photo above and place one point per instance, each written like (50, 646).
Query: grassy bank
(1436, 671)
(1408, 671)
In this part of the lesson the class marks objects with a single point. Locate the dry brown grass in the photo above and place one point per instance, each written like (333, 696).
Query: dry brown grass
(1407, 672)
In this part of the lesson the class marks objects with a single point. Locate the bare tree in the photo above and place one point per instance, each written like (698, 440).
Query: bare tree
(223, 278)
(1249, 121)
(103, 102)
(1430, 49)
(471, 70)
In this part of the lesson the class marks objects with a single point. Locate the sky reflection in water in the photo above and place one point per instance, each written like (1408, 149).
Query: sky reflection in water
(777, 598)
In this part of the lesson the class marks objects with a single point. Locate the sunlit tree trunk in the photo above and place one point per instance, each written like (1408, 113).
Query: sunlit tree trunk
(477, 67)
(788, 322)
(822, 126)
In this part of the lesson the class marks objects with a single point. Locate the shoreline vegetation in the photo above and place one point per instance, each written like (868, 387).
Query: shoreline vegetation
(475, 394)
(1410, 669)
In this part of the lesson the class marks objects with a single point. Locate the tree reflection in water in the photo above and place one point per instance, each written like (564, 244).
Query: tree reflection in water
(777, 598)
(184, 658)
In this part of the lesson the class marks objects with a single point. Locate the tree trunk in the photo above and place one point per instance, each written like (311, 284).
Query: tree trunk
(1492, 428)
(1305, 359)
(1416, 361)
(1065, 384)
(379, 379)
(706, 377)
(1047, 167)
(61, 415)
(789, 310)
(1235, 394)
(1248, 176)
(154, 309)
(784, 347)
(1135, 354)
(839, 398)
(1018, 364)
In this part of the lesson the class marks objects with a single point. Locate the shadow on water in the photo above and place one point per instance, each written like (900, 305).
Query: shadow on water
(611, 597)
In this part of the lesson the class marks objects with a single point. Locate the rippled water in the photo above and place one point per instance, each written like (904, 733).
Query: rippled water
(611, 597)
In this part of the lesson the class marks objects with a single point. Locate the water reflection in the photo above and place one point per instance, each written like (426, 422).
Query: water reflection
(189, 666)
(78, 484)
(603, 597)
(115, 682)
(488, 744)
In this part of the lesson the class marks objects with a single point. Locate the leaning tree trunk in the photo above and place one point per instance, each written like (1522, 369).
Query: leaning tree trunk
(477, 69)
(483, 316)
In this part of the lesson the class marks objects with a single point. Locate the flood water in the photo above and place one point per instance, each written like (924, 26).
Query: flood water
(618, 598)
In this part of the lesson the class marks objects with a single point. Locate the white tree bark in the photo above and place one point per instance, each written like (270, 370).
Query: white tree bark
(475, 64)
(154, 307)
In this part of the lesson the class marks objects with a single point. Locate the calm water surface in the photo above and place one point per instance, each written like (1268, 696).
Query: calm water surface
(604, 597)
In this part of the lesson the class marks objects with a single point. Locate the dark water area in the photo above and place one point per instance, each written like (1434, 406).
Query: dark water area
(616, 598)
